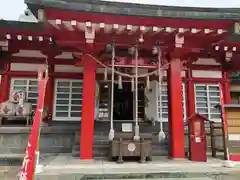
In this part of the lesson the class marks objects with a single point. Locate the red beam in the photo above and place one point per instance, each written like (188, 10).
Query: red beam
(209, 80)
(205, 67)
(15, 32)
(5, 83)
(36, 60)
(55, 74)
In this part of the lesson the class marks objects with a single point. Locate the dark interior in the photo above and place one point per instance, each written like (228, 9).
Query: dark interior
(123, 102)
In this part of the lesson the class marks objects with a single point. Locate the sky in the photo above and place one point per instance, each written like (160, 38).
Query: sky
(9, 12)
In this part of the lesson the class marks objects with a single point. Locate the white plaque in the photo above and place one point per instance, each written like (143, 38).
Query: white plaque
(197, 139)
(126, 127)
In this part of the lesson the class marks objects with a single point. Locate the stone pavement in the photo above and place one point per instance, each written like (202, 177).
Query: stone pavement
(65, 167)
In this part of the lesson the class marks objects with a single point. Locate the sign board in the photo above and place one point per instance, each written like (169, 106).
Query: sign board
(237, 28)
(197, 128)
(126, 127)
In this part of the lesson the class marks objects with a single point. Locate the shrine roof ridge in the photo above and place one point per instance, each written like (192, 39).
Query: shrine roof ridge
(121, 8)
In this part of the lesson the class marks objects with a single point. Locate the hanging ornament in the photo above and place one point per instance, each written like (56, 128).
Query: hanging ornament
(120, 82)
(148, 83)
(132, 84)
(105, 74)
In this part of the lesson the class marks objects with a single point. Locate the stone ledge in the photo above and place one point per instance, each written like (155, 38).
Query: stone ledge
(44, 130)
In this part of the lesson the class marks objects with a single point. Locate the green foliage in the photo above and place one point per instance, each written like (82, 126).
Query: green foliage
(235, 75)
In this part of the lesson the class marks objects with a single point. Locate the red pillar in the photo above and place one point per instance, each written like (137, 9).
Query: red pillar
(226, 88)
(175, 112)
(48, 101)
(190, 94)
(88, 105)
(5, 83)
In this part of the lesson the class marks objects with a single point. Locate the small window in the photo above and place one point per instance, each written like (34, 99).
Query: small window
(207, 96)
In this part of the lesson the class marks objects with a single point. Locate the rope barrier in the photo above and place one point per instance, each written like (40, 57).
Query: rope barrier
(165, 66)
(136, 76)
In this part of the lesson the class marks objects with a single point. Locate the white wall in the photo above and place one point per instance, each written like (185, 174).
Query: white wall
(68, 69)
(207, 61)
(206, 74)
(25, 67)
(29, 53)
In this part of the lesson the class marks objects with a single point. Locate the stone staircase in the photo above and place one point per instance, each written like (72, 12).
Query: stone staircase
(101, 142)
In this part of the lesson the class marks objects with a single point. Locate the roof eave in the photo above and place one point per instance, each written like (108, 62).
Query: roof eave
(117, 8)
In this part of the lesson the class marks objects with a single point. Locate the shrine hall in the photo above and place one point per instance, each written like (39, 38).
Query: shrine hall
(118, 67)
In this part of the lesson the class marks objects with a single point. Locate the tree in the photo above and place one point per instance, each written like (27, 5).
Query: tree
(235, 76)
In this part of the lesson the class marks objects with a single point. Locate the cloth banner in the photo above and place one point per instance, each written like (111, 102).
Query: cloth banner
(29, 162)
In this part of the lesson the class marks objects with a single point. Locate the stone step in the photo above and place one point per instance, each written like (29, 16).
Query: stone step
(96, 154)
(99, 151)
(105, 136)
(153, 176)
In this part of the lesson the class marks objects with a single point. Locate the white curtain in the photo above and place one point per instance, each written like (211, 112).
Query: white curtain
(151, 107)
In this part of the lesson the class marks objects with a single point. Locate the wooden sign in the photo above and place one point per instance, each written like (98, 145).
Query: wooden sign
(237, 28)
(232, 112)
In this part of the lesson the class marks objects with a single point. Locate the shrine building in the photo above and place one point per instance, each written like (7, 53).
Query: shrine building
(111, 63)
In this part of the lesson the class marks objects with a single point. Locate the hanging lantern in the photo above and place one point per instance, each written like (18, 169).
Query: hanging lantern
(148, 82)
(105, 74)
(132, 84)
(120, 82)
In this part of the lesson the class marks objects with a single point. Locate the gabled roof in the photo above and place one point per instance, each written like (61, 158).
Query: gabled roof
(117, 8)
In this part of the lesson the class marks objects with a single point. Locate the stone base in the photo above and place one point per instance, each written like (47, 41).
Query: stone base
(228, 164)
(39, 168)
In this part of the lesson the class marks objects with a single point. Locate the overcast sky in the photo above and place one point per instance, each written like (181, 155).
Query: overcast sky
(11, 9)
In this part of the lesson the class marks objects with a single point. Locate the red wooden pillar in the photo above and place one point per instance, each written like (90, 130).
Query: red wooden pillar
(49, 95)
(5, 83)
(226, 88)
(175, 111)
(88, 105)
(190, 94)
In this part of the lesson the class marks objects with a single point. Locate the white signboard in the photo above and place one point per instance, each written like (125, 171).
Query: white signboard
(126, 127)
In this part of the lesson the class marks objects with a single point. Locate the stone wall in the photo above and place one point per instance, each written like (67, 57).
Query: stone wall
(13, 140)
(60, 138)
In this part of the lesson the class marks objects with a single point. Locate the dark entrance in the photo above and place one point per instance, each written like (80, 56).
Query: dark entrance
(123, 102)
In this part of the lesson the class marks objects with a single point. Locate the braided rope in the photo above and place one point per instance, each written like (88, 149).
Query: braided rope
(136, 135)
(111, 132)
(165, 66)
(161, 134)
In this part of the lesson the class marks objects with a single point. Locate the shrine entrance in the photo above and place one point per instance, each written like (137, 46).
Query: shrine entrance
(124, 102)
